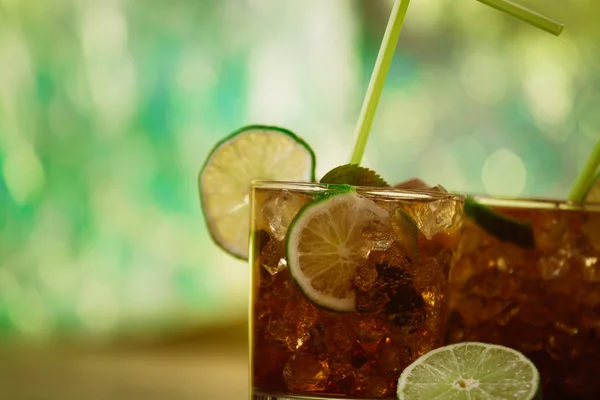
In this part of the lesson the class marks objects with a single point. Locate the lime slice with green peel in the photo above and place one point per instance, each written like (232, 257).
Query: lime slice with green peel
(470, 370)
(593, 194)
(325, 244)
(251, 153)
(503, 228)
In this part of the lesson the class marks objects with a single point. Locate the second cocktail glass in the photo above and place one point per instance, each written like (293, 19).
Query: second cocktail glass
(537, 291)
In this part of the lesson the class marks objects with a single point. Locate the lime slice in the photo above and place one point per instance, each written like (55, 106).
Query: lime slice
(325, 245)
(470, 370)
(251, 153)
(503, 228)
(593, 194)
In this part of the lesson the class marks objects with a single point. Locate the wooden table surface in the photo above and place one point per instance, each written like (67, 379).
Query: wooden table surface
(202, 366)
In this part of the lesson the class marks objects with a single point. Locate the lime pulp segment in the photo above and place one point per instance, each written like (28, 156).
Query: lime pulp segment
(251, 153)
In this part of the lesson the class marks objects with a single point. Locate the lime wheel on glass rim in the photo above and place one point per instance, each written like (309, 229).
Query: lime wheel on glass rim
(251, 153)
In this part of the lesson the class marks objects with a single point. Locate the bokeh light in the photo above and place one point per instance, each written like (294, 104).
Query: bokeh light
(108, 110)
(504, 174)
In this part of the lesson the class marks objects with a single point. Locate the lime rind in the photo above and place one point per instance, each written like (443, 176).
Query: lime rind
(267, 128)
(320, 206)
(332, 190)
(503, 228)
(239, 246)
(477, 370)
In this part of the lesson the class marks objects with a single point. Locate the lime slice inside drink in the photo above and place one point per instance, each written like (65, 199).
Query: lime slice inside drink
(499, 226)
(325, 245)
(251, 153)
(593, 194)
(470, 370)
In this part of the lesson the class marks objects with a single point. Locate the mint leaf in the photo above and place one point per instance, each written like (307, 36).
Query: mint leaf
(354, 174)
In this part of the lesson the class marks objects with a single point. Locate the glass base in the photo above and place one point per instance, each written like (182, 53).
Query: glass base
(258, 395)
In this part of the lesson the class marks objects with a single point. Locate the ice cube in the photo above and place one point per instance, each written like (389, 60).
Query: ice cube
(493, 283)
(475, 310)
(282, 331)
(434, 268)
(282, 287)
(370, 383)
(365, 276)
(290, 325)
(392, 356)
(303, 315)
(555, 265)
(379, 233)
(358, 356)
(371, 302)
(431, 296)
(306, 372)
(436, 216)
(551, 230)
(382, 245)
(396, 255)
(279, 211)
(272, 257)
(335, 334)
(340, 365)
(369, 333)
(591, 269)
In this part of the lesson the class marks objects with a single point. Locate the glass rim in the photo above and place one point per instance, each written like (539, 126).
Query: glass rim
(427, 194)
(390, 192)
(536, 203)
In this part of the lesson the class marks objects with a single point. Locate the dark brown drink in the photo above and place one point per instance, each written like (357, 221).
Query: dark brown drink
(541, 298)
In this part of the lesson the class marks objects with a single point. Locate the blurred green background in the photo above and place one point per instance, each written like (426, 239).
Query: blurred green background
(108, 109)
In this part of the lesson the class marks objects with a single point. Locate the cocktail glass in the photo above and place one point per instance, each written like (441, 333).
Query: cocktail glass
(300, 350)
(542, 297)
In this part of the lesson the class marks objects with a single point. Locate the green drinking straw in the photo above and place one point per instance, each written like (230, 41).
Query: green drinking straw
(382, 66)
(386, 52)
(585, 178)
(524, 14)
